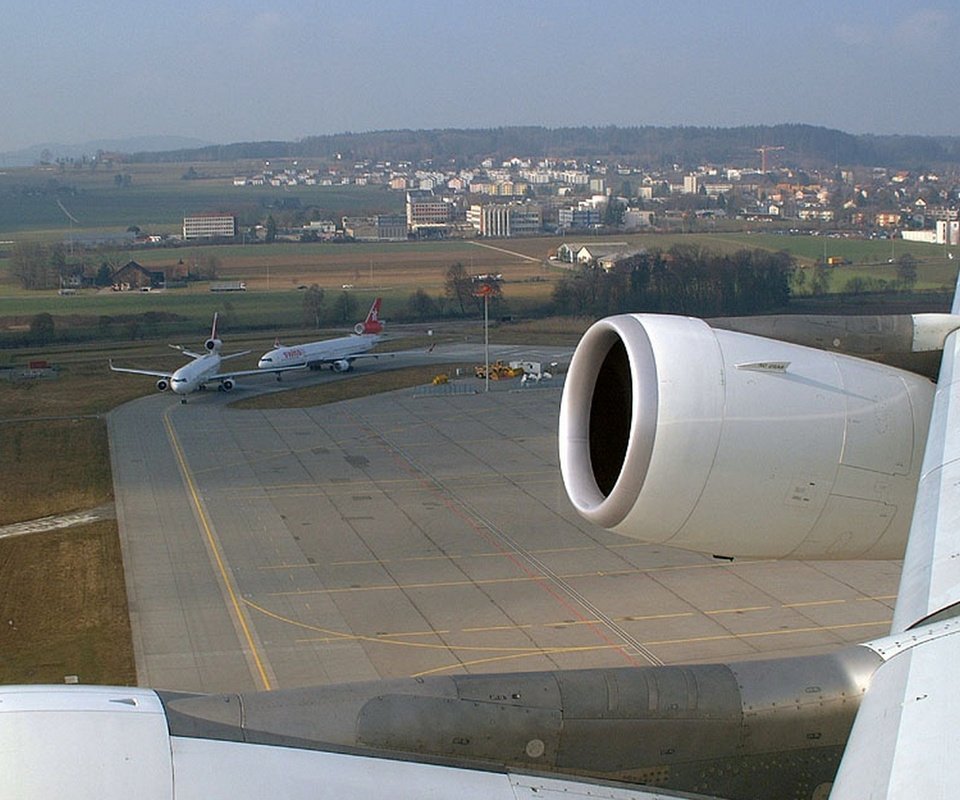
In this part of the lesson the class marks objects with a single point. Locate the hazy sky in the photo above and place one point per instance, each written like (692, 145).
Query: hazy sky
(235, 70)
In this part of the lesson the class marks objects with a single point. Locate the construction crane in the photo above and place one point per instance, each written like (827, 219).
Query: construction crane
(763, 150)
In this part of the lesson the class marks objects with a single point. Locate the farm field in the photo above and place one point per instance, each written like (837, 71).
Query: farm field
(39, 201)
(398, 269)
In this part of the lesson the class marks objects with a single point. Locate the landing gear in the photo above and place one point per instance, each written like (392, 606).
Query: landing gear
(183, 400)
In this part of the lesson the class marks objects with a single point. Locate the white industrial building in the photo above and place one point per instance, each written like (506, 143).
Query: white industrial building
(210, 226)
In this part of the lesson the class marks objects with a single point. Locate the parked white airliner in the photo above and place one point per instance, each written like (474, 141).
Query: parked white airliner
(204, 369)
(339, 354)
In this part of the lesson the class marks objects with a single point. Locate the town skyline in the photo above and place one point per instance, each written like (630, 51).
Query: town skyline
(221, 74)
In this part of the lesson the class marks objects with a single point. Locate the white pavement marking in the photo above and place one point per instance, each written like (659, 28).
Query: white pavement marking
(49, 523)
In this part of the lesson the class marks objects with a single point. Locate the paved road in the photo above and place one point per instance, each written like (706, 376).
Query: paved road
(411, 534)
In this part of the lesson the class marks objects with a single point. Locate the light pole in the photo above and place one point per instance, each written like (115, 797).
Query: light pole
(485, 291)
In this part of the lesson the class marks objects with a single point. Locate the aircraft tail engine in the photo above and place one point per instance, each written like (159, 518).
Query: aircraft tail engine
(736, 445)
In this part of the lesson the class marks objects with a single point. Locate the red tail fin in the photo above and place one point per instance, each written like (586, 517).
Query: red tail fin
(372, 323)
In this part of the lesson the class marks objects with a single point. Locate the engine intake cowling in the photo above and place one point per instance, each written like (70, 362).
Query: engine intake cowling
(162, 385)
(737, 445)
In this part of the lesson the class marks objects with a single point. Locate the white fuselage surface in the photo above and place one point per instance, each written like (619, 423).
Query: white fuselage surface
(331, 351)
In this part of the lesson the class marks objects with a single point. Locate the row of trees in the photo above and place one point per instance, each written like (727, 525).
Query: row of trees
(645, 145)
(461, 296)
(683, 280)
(343, 310)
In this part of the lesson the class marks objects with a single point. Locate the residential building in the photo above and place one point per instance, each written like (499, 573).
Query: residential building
(592, 254)
(887, 219)
(132, 276)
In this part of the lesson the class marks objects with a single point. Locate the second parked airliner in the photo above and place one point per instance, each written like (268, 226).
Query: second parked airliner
(338, 353)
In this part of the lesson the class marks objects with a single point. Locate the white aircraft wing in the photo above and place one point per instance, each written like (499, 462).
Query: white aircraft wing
(103, 743)
(906, 736)
(350, 357)
(223, 376)
(151, 372)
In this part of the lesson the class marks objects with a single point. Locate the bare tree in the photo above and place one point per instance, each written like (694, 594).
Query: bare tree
(313, 305)
(458, 286)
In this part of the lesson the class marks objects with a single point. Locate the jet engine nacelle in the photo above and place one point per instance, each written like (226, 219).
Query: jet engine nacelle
(212, 345)
(341, 366)
(737, 445)
(227, 384)
(162, 385)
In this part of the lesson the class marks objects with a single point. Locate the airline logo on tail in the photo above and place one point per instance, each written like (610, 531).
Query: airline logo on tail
(372, 323)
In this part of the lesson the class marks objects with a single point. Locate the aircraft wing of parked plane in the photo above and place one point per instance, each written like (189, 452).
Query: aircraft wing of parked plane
(201, 371)
(339, 353)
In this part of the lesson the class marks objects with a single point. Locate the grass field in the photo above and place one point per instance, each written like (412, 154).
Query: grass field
(275, 274)
(64, 608)
(37, 201)
(63, 602)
